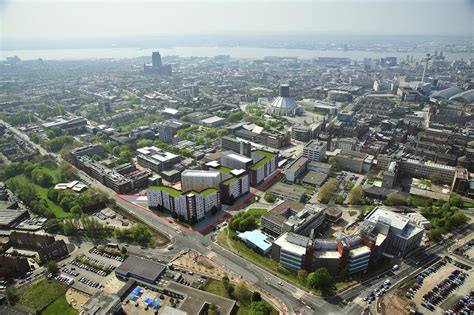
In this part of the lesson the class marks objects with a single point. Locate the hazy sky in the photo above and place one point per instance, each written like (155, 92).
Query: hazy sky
(24, 20)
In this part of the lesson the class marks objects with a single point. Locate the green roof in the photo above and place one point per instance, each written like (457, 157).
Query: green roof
(208, 191)
(173, 192)
(224, 169)
(267, 157)
(231, 180)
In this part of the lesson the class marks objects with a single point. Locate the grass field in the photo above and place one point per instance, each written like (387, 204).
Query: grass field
(43, 193)
(60, 306)
(39, 294)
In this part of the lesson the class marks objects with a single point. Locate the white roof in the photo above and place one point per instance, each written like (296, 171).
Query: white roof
(290, 247)
(170, 111)
(239, 157)
(212, 119)
(199, 173)
(359, 251)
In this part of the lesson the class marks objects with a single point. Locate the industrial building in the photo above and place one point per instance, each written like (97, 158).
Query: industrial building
(140, 269)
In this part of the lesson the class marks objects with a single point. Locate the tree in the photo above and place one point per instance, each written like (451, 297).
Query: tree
(435, 177)
(397, 199)
(11, 296)
(259, 308)
(41, 178)
(242, 293)
(52, 267)
(326, 191)
(226, 283)
(355, 195)
(322, 279)
(236, 116)
(435, 234)
(256, 297)
(302, 274)
(269, 197)
(455, 200)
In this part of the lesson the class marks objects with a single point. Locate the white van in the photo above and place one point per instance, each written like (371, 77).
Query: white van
(395, 267)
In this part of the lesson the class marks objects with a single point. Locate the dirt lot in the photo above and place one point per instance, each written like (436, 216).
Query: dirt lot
(75, 298)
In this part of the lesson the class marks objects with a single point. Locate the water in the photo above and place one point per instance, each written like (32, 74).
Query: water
(234, 52)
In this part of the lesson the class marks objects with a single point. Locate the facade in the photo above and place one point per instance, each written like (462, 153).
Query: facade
(264, 164)
(235, 161)
(89, 150)
(233, 188)
(296, 168)
(237, 146)
(390, 176)
(315, 150)
(419, 169)
(290, 250)
(198, 180)
(319, 167)
(190, 206)
(353, 161)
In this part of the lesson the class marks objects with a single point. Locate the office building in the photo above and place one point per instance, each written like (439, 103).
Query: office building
(393, 233)
(315, 150)
(296, 168)
(156, 159)
(109, 177)
(290, 250)
(104, 106)
(353, 161)
(460, 181)
(199, 180)
(305, 132)
(89, 150)
(390, 175)
(213, 122)
(319, 167)
(236, 145)
(420, 169)
(288, 192)
(190, 206)
(71, 126)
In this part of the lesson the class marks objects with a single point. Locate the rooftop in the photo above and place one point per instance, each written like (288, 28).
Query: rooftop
(267, 156)
(142, 268)
(173, 192)
(257, 238)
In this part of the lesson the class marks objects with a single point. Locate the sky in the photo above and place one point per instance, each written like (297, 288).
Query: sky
(56, 20)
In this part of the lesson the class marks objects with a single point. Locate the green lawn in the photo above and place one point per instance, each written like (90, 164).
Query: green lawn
(257, 211)
(40, 293)
(468, 204)
(52, 172)
(43, 193)
(60, 306)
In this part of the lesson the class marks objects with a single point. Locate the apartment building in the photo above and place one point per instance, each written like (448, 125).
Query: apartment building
(264, 165)
(235, 160)
(13, 266)
(190, 206)
(199, 180)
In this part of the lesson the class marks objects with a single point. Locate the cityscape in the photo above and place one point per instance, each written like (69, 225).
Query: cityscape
(262, 171)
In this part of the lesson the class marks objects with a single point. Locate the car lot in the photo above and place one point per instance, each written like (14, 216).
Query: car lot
(438, 283)
(464, 305)
(87, 275)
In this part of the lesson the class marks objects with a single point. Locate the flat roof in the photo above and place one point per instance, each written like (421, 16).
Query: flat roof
(195, 299)
(283, 242)
(213, 119)
(200, 173)
(359, 251)
(238, 157)
(267, 156)
(257, 238)
(298, 163)
(140, 268)
(169, 190)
